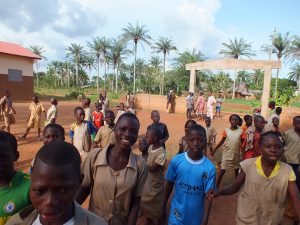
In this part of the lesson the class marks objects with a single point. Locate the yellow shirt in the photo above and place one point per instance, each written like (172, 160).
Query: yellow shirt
(260, 170)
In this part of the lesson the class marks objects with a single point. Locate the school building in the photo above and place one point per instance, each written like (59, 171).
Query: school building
(16, 70)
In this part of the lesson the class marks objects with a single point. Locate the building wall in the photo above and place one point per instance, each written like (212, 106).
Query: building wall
(20, 91)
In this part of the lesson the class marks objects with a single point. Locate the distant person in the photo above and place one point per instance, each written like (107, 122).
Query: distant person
(155, 117)
(200, 106)
(183, 146)
(14, 185)
(131, 109)
(189, 105)
(219, 103)
(52, 112)
(127, 99)
(248, 122)
(7, 110)
(274, 126)
(35, 117)
(98, 116)
(271, 106)
(87, 110)
(209, 105)
(120, 111)
(211, 134)
(171, 102)
(277, 113)
(132, 100)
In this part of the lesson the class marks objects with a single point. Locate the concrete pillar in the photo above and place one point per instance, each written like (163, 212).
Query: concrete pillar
(192, 80)
(266, 92)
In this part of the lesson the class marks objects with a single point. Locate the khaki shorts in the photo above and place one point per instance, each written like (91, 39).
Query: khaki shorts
(34, 124)
(9, 119)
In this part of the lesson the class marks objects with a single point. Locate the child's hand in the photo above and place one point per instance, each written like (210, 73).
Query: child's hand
(211, 194)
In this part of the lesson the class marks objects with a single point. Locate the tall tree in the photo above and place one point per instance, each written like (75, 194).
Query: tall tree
(281, 46)
(164, 45)
(236, 48)
(295, 75)
(137, 34)
(89, 62)
(100, 47)
(38, 50)
(76, 52)
(295, 48)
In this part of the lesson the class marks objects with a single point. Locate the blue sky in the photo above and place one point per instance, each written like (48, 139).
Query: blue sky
(201, 24)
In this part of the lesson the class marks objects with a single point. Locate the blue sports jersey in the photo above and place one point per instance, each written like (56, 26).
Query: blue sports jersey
(192, 180)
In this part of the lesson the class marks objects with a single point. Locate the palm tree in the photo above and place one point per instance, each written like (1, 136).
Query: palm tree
(38, 50)
(89, 63)
(235, 49)
(281, 46)
(295, 75)
(295, 48)
(136, 34)
(257, 76)
(76, 53)
(164, 45)
(118, 52)
(100, 47)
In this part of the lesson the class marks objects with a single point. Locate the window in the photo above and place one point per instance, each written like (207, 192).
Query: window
(14, 75)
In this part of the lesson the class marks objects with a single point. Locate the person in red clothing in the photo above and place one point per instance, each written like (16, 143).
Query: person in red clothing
(98, 116)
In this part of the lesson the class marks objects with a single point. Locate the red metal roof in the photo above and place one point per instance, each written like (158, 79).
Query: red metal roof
(15, 49)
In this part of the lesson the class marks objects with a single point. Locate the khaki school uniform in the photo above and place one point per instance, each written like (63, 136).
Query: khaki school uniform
(81, 217)
(153, 192)
(105, 136)
(211, 134)
(262, 199)
(183, 144)
(6, 104)
(80, 134)
(112, 191)
(292, 152)
(35, 119)
(88, 114)
(51, 114)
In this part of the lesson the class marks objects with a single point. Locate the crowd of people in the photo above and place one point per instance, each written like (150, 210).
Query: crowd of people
(99, 162)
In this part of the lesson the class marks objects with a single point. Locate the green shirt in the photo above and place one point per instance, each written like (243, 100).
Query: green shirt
(15, 197)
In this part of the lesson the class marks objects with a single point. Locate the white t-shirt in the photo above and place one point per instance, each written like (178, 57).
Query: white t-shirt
(38, 222)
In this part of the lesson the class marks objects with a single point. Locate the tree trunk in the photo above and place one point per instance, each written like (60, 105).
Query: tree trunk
(116, 75)
(299, 85)
(77, 77)
(276, 85)
(98, 62)
(135, 50)
(68, 77)
(37, 73)
(233, 88)
(163, 80)
(105, 64)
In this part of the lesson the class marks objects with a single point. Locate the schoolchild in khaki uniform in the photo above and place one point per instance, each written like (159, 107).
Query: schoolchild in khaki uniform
(211, 134)
(87, 110)
(232, 139)
(114, 177)
(153, 192)
(264, 183)
(183, 147)
(105, 134)
(55, 180)
(7, 110)
(35, 116)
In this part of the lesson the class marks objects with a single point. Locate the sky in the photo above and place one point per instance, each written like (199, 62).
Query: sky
(200, 24)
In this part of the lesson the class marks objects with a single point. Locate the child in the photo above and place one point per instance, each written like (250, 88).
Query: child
(8, 110)
(211, 134)
(232, 139)
(52, 112)
(143, 147)
(153, 191)
(183, 147)
(120, 111)
(55, 178)
(87, 110)
(264, 183)
(248, 122)
(14, 186)
(193, 176)
(80, 132)
(98, 116)
(200, 106)
(114, 176)
(292, 139)
(34, 119)
(155, 117)
(274, 126)
(277, 113)
(271, 106)
(130, 109)
(219, 102)
(105, 134)
(252, 137)
(189, 105)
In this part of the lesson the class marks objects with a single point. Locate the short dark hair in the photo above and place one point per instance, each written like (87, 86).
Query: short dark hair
(88, 101)
(156, 130)
(128, 115)
(247, 117)
(7, 140)
(258, 117)
(56, 126)
(155, 111)
(199, 129)
(272, 103)
(271, 133)
(189, 121)
(59, 153)
(78, 108)
(232, 115)
(278, 110)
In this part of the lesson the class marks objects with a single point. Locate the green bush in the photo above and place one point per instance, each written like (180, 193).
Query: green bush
(74, 94)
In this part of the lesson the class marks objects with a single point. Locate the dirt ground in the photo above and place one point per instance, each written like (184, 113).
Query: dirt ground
(224, 208)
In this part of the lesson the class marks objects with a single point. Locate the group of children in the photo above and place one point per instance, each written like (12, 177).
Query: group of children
(123, 186)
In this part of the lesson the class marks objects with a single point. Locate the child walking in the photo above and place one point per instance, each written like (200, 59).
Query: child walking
(211, 134)
(264, 183)
(219, 102)
(183, 147)
(153, 191)
(14, 185)
(8, 111)
(52, 112)
(200, 106)
(232, 139)
(191, 175)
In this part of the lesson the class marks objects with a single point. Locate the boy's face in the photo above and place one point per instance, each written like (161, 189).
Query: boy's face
(207, 122)
(126, 132)
(259, 124)
(79, 115)
(249, 122)
(7, 159)
(275, 122)
(296, 123)
(155, 117)
(271, 149)
(150, 137)
(52, 134)
(53, 191)
(109, 118)
(234, 121)
(83, 104)
(195, 141)
(35, 99)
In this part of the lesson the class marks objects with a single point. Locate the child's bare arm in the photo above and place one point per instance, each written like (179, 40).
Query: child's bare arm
(82, 194)
(233, 188)
(134, 210)
(153, 167)
(218, 146)
(89, 139)
(294, 194)
(207, 207)
(168, 189)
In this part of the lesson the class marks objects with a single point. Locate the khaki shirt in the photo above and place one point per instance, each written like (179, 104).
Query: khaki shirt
(112, 191)
(36, 110)
(292, 152)
(6, 105)
(81, 217)
(88, 114)
(105, 136)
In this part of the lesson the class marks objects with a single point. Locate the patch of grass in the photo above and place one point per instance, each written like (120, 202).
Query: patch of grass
(236, 110)
(296, 104)
(253, 103)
